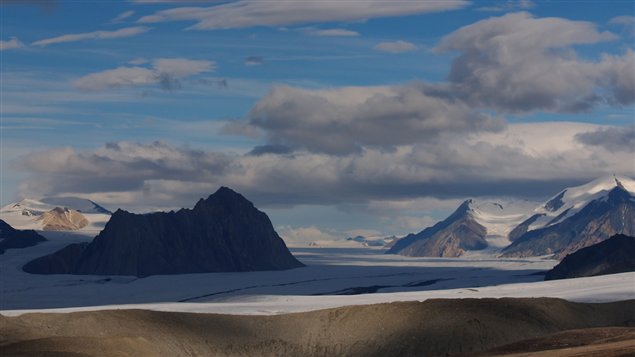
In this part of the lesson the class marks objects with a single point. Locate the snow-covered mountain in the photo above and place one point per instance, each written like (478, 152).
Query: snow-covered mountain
(57, 213)
(498, 225)
(576, 218)
(475, 225)
(570, 201)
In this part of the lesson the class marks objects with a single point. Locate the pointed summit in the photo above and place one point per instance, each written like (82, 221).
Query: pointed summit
(618, 183)
(585, 215)
(448, 238)
(224, 197)
(223, 233)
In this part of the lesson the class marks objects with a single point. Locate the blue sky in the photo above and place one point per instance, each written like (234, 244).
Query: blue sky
(361, 115)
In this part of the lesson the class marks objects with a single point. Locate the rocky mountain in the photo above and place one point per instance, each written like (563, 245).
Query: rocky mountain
(55, 213)
(222, 233)
(614, 255)
(577, 218)
(62, 219)
(574, 218)
(449, 238)
(11, 238)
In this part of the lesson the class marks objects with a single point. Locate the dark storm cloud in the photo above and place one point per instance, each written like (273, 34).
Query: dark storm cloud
(613, 139)
(346, 120)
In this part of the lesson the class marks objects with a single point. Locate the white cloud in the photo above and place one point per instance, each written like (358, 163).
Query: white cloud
(623, 20)
(627, 22)
(395, 47)
(10, 44)
(523, 160)
(181, 67)
(518, 63)
(118, 77)
(138, 61)
(332, 32)
(249, 13)
(509, 5)
(124, 15)
(345, 120)
(96, 35)
(165, 72)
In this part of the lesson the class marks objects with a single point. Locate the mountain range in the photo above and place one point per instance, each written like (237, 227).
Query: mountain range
(55, 214)
(572, 219)
(222, 233)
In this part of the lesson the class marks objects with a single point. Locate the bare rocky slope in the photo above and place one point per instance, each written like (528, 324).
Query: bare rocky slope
(448, 238)
(614, 255)
(597, 221)
(222, 233)
(429, 328)
(62, 219)
(11, 238)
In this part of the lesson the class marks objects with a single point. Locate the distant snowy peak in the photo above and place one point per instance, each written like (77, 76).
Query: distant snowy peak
(55, 213)
(30, 206)
(576, 218)
(571, 200)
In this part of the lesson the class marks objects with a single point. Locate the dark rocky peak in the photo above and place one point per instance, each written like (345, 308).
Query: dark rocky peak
(619, 194)
(11, 238)
(60, 210)
(555, 203)
(5, 227)
(224, 197)
(222, 233)
(465, 208)
(618, 183)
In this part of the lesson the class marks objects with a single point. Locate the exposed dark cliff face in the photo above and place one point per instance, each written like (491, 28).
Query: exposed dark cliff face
(11, 238)
(523, 227)
(597, 221)
(448, 238)
(614, 255)
(222, 233)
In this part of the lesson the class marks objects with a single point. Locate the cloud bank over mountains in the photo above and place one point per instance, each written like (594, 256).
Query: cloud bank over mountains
(338, 145)
(522, 160)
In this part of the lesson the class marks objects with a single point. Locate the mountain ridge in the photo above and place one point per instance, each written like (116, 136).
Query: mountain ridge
(224, 232)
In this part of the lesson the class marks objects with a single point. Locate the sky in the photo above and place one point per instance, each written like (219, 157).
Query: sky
(336, 118)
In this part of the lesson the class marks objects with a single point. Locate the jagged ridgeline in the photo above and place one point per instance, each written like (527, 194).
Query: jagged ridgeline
(575, 218)
(222, 233)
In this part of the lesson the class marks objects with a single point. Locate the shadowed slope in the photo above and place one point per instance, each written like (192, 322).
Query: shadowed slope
(614, 255)
(224, 232)
(430, 328)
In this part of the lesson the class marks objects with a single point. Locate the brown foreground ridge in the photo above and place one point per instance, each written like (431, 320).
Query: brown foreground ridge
(437, 327)
(599, 341)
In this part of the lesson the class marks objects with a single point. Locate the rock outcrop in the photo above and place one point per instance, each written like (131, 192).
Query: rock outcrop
(223, 233)
(11, 238)
(62, 219)
(614, 255)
